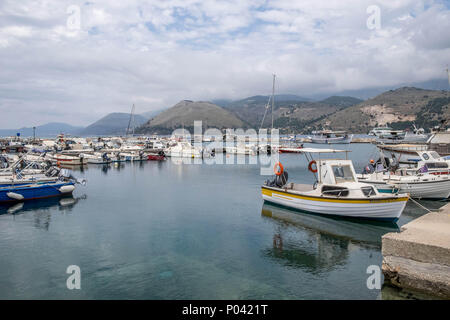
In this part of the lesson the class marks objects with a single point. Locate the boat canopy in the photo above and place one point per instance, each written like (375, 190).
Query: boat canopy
(318, 150)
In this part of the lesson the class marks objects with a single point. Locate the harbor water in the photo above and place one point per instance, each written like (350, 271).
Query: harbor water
(167, 230)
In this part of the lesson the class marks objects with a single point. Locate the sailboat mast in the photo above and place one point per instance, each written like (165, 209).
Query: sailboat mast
(273, 97)
(448, 77)
(129, 122)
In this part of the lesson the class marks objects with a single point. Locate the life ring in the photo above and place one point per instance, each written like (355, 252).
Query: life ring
(278, 169)
(310, 168)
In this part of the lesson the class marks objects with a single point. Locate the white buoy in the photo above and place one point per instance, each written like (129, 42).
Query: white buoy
(15, 196)
(67, 189)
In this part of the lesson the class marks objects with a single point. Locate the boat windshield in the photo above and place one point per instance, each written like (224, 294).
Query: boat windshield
(343, 173)
(435, 155)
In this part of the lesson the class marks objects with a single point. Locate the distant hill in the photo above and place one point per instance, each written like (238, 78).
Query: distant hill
(398, 108)
(47, 130)
(150, 114)
(291, 112)
(112, 124)
(184, 113)
(341, 101)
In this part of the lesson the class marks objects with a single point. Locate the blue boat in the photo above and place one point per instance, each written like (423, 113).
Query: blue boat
(35, 191)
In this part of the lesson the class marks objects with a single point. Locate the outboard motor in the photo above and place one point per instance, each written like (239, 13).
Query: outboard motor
(105, 156)
(3, 162)
(279, 181)
(52, 171)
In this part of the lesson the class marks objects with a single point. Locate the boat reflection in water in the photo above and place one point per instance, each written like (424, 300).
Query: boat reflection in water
(320, 243)
(42, 208)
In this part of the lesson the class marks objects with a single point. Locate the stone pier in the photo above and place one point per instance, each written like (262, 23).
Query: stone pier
(418, 257)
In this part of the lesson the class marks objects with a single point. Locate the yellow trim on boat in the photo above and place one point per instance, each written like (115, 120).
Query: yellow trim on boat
(270, 192)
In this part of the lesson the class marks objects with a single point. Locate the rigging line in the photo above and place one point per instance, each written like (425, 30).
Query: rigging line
(265, 112)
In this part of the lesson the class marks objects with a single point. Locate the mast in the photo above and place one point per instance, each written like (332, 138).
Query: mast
(273, 97)
(130, 121)
(448, 77)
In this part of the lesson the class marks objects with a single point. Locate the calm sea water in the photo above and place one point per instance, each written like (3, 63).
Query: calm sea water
(162, 230)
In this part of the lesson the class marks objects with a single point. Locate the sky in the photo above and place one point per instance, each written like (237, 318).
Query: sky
(76, 61)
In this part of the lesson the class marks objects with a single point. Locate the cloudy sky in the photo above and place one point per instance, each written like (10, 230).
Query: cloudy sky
(75, 61)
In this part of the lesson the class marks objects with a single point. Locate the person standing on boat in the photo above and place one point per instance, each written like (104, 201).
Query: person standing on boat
(370, 168)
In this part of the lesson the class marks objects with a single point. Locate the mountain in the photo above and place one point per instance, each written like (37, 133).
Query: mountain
(367, 93)
(341, 101)
(398, 108)
(184, 113)
(291, 112)
(150, 114)
(251, 110)
(113, 124)
(47, 130)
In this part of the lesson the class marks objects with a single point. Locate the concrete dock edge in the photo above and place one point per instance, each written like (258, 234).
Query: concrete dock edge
(418, 257)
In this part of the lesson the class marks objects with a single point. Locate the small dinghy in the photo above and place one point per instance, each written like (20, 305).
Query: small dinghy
(336, 191)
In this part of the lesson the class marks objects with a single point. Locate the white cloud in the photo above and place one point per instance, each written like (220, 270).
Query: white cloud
(155, 53)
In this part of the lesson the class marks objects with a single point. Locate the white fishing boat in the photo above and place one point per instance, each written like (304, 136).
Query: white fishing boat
(420, 186)
(242, 150)
(183, 149)
(330, 137)
(380, 131)
(68, 160)
(336, 191)
(98, 158)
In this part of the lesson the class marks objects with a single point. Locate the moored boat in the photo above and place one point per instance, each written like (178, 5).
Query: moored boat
(420, 186)
(336, 191)
(35, 191)
(331, 137)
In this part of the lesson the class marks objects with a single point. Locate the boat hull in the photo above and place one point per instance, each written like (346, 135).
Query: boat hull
(335, 140)
(38, 191)
(155, 157)
(387, 208)
(437, 189)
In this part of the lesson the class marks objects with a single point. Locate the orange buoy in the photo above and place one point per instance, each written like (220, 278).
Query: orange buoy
(310, 166)
(278, 169)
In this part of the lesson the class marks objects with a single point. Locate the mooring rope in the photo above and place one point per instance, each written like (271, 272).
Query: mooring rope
(419, 205)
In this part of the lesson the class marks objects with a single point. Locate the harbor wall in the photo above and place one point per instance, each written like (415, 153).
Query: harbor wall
(418, 257)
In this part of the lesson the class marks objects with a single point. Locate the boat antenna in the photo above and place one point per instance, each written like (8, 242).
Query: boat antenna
(130, 121)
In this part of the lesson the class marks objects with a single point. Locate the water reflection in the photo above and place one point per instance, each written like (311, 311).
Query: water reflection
(319, 243)
(42, 208)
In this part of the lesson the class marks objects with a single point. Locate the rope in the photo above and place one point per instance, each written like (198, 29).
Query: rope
(419, 205)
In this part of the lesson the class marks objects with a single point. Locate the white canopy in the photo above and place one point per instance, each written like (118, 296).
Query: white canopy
(318, 150)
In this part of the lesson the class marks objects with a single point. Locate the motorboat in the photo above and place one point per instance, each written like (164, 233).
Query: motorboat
(184, 149)
(160, 156)
(330, 137)
(417, 185)
(403, 153)
(18, 193)
(336, 192)
(98, 158)
(290, 149)
(380, 131)
(40, 189)
(69, 160)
